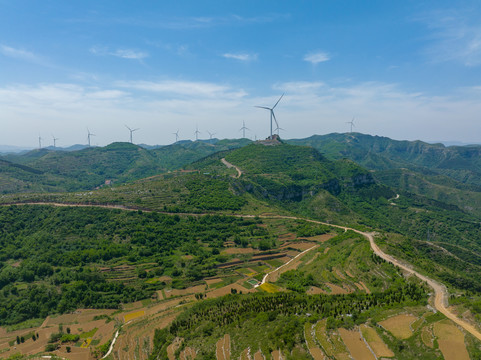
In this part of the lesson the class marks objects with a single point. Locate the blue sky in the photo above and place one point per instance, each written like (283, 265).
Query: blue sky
(403, 69)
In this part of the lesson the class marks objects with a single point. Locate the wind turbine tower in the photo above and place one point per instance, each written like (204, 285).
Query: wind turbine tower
(131, 131)
(89, 134)
(351, 123)
(211, 134)
(39, 142)
(243, 129)
(54, 141)
(273, 116)
(196, 132)
(176, 135)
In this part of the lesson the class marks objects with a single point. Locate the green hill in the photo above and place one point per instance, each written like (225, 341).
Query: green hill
(49, 171)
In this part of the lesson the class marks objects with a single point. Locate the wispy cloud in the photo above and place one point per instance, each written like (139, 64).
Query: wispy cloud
(298, 86)
(455, 36)
(185, 23)
(317, 57)
(188, 88)
(17, 53)
(161, 107)
(121, 53)
(240, 56)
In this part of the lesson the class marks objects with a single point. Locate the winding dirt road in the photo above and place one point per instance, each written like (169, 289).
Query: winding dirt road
(440, 291)
(229, 165)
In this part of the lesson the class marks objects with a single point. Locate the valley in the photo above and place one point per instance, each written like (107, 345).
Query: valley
(316, 252)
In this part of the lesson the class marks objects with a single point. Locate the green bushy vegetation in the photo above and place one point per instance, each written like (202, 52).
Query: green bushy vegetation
(278, 318)
(55, 259)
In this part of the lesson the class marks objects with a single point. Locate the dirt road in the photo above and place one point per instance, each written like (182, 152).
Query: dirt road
(229, 165)
(440, 291)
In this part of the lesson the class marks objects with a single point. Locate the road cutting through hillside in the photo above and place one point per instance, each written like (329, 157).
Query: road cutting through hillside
(229, 165)
(440, 291)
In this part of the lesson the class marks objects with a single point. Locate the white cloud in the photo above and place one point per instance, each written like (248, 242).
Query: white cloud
(18, 53)
(188, 88)
(298, 86)
(121, 53)
(455, 36)
(317, 57)
(160, 108)
(240, 56)
(130, 54)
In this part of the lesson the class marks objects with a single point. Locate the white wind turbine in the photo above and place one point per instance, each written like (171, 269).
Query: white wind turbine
(273, 116)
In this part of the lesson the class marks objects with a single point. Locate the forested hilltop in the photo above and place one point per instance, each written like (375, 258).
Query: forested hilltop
(49, 170)
(239, 222)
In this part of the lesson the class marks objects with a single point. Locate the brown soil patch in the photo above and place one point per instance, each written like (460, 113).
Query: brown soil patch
(349, 273)
(340, 274)
(165, 278)
(287, 237)
(326, 250)
(245, 355)
(213, 281)
(226, 290)
(258, 355)
(222, 349)
(365, 287)
(356, 345)
(188, 354)
(298, 245)
(276, 355)
(336, 289)
(313, 290)
(399, 325)
(450, 340)
(375, 342)
(236, 250)
(191, 290)
(359, 286)
(172, 348)
(320, 238)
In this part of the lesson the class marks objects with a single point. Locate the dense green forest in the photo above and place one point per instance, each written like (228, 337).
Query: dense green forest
(55, 259)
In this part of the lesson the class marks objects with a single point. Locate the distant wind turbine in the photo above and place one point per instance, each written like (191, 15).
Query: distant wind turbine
(271, 111)
(131, 131)
(196, 132)
(54, 141)
(351, 122)
(176, 135)
(211, 134)
(89, 134)
(278, 128)
(243, 129)
(39, 142)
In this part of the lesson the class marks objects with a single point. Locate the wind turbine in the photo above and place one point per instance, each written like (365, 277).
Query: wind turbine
(54, 141)
(243, 129)
(278, 128)
(272, 111)
(211, 134)
(89, 134)
(39, 142)
(351, 122)
(196, 132)
(176, 135)
(131, 131)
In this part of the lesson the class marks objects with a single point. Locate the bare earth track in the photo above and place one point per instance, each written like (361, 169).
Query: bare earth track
(440, 291)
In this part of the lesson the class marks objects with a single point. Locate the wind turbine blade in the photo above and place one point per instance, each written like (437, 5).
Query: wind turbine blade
(263, 107)
(135, 129)
(128, 128)
(277, 102)
(274, 115)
